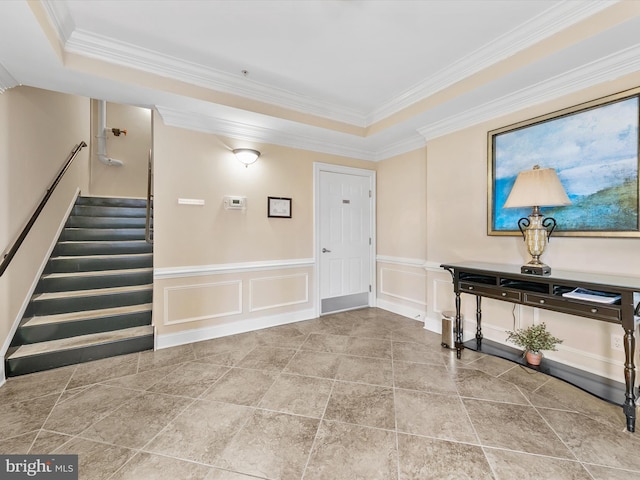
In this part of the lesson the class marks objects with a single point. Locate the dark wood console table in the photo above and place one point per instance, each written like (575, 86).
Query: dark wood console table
(505, 282)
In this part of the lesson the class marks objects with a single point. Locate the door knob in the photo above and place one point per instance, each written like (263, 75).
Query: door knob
(324, 250)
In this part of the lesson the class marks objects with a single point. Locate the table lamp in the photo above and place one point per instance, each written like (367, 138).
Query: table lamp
(539, 187)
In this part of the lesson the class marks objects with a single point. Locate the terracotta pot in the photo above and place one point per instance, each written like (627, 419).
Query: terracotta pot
(533, 358)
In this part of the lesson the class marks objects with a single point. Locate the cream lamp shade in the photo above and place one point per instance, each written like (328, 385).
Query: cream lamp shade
(537, 187)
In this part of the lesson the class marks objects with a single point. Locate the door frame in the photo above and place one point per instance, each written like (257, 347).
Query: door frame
(371, 174)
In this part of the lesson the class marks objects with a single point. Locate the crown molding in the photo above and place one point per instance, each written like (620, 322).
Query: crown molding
(608, 68)
(219, 126)
(6, 79)
(111, 50)
(409, 144)
(529, 33)
(60, 19)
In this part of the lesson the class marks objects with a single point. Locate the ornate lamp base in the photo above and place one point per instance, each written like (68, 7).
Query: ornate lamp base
(538, 269)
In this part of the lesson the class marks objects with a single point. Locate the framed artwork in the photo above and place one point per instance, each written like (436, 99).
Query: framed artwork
(594, 149)
(279, 207)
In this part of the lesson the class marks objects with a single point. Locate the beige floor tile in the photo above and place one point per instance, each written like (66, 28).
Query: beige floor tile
(299, 395)
(19, 444)
(241, 386)
(151, 359)
(314, 364)
(25, 387)
(493, 366)
(514, 427)
(346, 452)
(369, 347)
(143, 380)
(430, 459)
(362, 404)
(417, 376)
(376, 371)
(201, 432)
(104, 369)
(216, 346)
(219, 474)
(433, 415)
(526, 379)
(478, 384)
(136, 422)
(521, 466)
(271, 445)
(154, 467)
(595, 442)
(226, 359)
(48, 442)
(319, 342)
(19, 418)
(75, 413)
(96, 461)
(417, 353)
(267, 358)
(190, 380)
(605, 473)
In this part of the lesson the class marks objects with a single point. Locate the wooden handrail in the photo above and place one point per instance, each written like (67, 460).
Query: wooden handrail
(7, 257)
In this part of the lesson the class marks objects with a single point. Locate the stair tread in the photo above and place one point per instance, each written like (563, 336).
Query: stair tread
(102, 257)
(91, 292)
(85, 315)
(98, 273)
(80, 341)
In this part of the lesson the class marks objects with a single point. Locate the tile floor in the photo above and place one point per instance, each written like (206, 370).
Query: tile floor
(357, 395)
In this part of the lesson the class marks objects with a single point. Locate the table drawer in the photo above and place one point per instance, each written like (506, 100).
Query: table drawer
(592, 310)
(490, 291)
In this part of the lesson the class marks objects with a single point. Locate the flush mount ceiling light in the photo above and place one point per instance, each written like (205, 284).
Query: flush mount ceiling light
(246, 156)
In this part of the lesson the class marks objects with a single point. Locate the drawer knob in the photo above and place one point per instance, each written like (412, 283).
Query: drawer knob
(504, 294)
(470, 288)
(594, 310)
(541, 301)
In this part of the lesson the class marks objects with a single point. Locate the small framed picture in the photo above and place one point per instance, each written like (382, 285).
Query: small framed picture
(279, 207)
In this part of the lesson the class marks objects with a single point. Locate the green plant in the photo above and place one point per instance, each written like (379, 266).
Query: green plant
(534, 338)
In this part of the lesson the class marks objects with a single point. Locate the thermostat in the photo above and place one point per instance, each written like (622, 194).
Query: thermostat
(234, 202)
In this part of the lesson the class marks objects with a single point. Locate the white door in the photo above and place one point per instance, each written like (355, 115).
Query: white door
(345, 239)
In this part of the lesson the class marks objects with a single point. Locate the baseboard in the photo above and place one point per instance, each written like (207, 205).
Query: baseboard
(241, 326)
(405, 311)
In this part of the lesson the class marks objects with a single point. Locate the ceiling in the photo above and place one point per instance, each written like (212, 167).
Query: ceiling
(362, 78)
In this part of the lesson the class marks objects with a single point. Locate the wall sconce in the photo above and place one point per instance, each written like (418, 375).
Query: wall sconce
(246, 156)
(537, 188)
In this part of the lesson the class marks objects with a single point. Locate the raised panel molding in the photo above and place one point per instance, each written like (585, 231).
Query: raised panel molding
(255, 284)
(387, 284)
(224, 299)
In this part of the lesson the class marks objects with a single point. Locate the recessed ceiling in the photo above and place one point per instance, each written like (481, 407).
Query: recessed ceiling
(361, 78)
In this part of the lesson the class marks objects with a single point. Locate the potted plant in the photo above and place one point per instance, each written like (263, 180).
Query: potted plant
(533, 340)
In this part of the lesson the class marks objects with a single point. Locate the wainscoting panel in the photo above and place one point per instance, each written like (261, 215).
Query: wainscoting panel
(278, 291)
(189, 303)
(403, 285)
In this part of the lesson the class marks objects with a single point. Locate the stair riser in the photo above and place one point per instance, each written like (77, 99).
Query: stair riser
(68, 265)
(75, 304)
(100, 211)
(93, 282)
(112, 202)
(37, 363)
(41, 333)
(105, 222)
(79, 234)
(102, 248)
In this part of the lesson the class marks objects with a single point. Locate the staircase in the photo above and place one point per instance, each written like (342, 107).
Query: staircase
(94, 297)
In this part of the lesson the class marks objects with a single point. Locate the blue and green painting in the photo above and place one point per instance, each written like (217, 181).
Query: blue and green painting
(594, 152)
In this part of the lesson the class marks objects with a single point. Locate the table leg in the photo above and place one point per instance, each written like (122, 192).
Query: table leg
(458, 325)
(478, 322)
(629, 406)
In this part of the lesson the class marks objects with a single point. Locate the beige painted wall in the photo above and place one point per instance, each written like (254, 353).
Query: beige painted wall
(402, 233)
(256, 266)
(457, 230)
(130, 179)
(38, 130)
